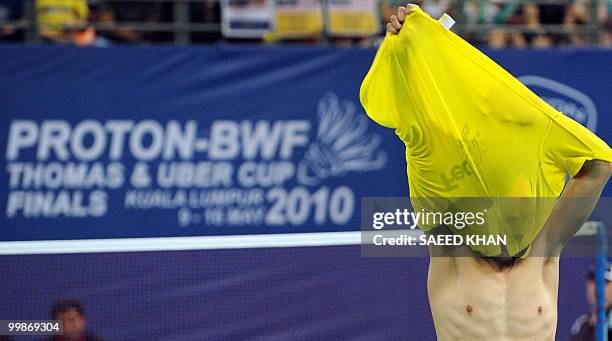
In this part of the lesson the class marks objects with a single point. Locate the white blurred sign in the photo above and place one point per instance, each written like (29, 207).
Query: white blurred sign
(246, 18)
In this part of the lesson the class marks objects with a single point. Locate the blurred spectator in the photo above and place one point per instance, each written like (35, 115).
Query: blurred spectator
(584, 326)
(498, 12)
(550, 14)
(72, 314)
(139, 12)
(59, 19)
(579, 13)
(103, 13)
(536, 35)
(205, 12)
(10, 10)
(66, 22)
(387, 9)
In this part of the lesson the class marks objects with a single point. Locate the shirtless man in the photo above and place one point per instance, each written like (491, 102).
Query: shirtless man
(509, 298)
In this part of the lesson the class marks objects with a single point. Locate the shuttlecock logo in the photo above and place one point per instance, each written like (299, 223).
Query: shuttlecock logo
(342, 143)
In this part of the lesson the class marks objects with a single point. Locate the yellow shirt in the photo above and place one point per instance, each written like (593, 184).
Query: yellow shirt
(472, 130)
(57, 15)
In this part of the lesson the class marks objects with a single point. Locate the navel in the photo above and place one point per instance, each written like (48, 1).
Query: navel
(540, 309)
(469, 309)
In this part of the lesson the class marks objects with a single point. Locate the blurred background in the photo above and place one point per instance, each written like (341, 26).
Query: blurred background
(499, 23)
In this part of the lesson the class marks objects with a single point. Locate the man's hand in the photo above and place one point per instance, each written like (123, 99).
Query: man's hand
(395, 25)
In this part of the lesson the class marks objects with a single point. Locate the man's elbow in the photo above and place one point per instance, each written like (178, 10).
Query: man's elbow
(598, 171)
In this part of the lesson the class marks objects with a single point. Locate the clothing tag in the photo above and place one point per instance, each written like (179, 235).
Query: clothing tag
(447, 21)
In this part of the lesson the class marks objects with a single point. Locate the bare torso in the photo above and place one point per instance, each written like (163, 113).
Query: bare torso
(475, 299)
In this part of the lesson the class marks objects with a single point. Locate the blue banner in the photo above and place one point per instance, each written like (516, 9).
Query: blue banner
(151, 142)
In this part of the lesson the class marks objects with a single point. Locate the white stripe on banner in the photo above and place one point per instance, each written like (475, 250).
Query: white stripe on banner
(206, 242)
(183, 243)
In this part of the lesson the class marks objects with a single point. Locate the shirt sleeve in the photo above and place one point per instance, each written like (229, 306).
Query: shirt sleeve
(382, 84)
(568, 145)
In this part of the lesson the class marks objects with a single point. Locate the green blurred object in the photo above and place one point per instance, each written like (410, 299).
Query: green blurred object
(397, 3)
(507, 12)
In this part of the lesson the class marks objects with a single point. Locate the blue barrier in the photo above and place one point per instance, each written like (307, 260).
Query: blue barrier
(601, 267)
(153, 142)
